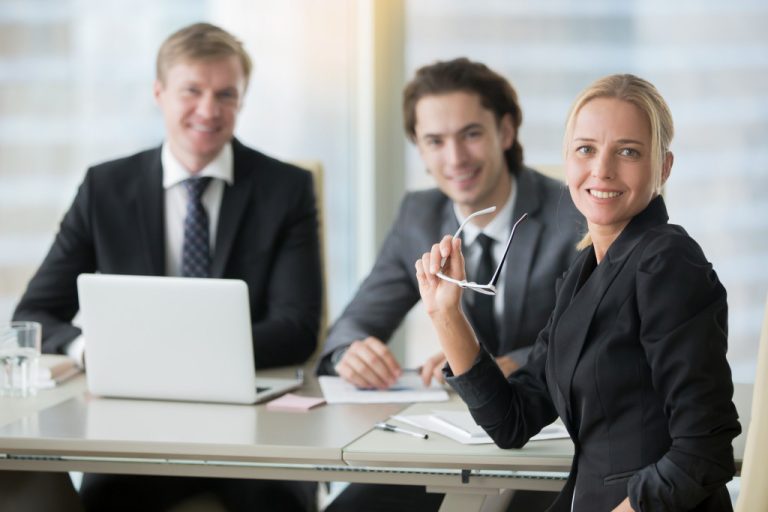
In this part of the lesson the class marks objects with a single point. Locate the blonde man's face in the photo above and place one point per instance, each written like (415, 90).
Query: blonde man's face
(200, 100)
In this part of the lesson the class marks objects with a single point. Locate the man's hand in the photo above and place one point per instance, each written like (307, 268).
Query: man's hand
(507, 365)
(624, 506)
(369, 364)
(433, 369)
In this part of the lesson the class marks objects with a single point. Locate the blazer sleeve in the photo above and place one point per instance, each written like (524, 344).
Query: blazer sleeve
(384, 297)
(288, 331)
(683, 331)
(51, 295)
(510, 410)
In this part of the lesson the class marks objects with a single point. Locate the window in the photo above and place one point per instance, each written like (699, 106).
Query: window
(708, 59)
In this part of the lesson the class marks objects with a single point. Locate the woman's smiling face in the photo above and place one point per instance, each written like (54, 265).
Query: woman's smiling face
(609, 165)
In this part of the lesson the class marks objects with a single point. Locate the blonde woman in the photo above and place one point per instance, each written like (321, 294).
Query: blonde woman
(633, 356)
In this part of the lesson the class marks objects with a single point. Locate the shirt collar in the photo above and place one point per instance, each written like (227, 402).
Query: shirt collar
(499, 227)
(174, 172)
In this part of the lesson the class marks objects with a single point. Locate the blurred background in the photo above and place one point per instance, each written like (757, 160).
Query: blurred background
(76, 89)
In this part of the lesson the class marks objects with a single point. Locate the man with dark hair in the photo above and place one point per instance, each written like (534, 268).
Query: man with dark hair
(200, 205)
(464, 119)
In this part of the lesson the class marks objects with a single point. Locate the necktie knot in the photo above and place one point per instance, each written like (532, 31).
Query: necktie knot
(196, 187)
(486, 242)
(485, 264)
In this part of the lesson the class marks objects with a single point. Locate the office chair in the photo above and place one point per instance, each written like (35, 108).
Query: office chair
(555, 171)
(316, 168)
(753, 494)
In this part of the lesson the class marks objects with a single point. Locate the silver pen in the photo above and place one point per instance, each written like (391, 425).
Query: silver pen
(394, 428)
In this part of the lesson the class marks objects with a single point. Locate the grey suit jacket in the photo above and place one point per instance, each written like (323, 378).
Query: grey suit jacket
(543, 247)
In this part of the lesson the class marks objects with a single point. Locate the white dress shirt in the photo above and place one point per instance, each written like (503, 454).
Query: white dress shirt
(174, 173)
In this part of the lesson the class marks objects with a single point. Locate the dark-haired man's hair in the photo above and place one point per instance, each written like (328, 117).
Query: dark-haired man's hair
(463, 75)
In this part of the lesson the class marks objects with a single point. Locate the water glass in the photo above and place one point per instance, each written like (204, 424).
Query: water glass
(19, 357)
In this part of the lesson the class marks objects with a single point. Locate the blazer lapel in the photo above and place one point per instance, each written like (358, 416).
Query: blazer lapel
(573, 326)
(449, 223)
(233, 204)
(151, 215)
(520, 260)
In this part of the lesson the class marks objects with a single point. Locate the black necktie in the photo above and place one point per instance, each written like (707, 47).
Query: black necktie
(195, 253)
(481, 308)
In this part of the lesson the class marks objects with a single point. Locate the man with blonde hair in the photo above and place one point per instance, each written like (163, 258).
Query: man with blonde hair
(200, 205)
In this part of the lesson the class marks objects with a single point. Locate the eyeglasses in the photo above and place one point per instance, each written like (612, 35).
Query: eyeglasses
(490, 288)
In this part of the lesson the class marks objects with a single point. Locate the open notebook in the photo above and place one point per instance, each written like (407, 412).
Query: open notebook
(460, 426)
(171, 338)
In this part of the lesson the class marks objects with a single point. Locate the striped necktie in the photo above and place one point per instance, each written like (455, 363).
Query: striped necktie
(195, 252)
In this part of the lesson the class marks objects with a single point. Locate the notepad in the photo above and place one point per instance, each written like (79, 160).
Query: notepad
(291, 402)
(461, 427)
(428, 422)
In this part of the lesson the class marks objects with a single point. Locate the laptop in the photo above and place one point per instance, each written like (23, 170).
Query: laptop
(171, 338)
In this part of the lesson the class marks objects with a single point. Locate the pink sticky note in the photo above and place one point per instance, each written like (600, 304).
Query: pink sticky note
(291, 402)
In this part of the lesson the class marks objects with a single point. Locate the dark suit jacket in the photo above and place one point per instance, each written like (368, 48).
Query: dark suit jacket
(543, 247)
(633, 361)
(267, 236)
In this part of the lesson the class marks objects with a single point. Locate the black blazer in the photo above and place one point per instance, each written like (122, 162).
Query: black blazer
(266, 236)
(543, 247)
(633, 361)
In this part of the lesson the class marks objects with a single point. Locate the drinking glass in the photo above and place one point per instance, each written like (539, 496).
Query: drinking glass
(19, 357)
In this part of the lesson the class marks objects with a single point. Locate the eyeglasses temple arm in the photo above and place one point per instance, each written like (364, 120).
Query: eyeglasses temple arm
(496, 274)
(461, 227)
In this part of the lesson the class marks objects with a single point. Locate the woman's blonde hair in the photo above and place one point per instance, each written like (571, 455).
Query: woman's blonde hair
(644, 96)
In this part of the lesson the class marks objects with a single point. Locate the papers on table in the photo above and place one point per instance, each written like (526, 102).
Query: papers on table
(428, 422)
(461, 427)
(54, 369)
(408, 388)
(460, 422)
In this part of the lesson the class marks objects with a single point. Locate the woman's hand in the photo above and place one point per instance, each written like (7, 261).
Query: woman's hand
(438, 295)
(443, 303)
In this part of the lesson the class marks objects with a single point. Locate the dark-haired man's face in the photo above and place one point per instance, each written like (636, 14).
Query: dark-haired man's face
(463, 145)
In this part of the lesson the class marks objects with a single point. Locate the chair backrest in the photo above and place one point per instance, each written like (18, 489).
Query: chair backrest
(316, 168)
(556, 171)
(753, 492)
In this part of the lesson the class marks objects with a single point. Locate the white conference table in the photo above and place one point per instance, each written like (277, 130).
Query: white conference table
(67, 429)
